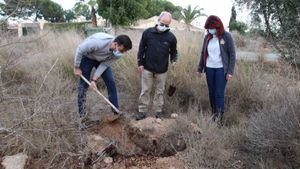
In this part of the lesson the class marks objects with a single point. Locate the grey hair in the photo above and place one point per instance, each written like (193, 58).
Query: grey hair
(164, 13)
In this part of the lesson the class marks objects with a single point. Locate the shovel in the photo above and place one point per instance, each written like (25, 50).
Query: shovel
(107, 101)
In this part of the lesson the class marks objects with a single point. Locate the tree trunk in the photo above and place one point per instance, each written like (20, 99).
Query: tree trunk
(271, 36)
(267, 23)
(94, 18)
(188, 26)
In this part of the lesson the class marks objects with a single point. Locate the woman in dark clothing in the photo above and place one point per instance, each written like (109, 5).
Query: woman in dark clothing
(217, 60)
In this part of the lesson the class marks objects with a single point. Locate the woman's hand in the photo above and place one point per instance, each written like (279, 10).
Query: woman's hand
(228, 77)
(199, 74)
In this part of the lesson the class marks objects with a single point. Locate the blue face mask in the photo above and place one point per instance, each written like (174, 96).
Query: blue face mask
(212, 31)
(117, 54)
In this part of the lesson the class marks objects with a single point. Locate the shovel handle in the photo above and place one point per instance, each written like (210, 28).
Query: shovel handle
(116, 109)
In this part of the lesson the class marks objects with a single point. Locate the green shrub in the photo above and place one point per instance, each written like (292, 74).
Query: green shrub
(241, 27)
(62, 27)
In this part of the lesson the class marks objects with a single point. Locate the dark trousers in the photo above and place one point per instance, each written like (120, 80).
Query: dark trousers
(86, 67)
(216, 82)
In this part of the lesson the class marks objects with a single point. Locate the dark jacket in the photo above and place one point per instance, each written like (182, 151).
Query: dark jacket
(155, 49)
(227, 53)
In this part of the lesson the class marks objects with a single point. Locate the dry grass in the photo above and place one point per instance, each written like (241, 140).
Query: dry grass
(38, 105)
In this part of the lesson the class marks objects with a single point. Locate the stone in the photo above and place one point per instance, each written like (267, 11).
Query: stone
(174, 115)
(17, 161)
(108, 160)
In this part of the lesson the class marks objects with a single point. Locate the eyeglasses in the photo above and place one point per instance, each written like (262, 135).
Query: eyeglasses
(162, 24)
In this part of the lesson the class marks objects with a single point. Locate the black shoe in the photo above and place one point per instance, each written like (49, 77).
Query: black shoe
(161, 114)
(213, 110)
(218, 117)
(214, 117)
(82, 123)
(220, 121)
(140, 116)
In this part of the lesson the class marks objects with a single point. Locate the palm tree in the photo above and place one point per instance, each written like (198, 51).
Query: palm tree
(190, 14)
(93, 3)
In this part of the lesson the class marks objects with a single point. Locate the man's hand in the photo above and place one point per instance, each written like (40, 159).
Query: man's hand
(141, 70)
(174, 64)
(93, 85)
(228, 77)
(77, 71)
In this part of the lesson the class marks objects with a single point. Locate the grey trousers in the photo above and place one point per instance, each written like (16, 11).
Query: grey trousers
(148, 79)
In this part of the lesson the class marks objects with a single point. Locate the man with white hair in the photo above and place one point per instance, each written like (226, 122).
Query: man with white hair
(157, 46)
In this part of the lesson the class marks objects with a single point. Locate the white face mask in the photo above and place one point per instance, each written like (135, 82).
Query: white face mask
(117, 54)
(162, 28)
(212, 31)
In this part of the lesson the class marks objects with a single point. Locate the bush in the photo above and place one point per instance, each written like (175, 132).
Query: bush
(79, 27)
(272, 135)
(3, 25)
(238, 26)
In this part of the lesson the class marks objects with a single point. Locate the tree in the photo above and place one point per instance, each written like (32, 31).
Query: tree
(241, 27)
(155, 7)
(282, 24)
(87, 8)
(50, 10)
(82, 9)
(190, 14)
(121, 12)
(233, 16)
(69, 15)
(14, 8)
(27, 8)
(93, 4)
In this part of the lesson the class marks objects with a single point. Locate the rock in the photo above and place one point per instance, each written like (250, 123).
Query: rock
(108, 160)
(174, 115)
(156, 137)
(17, 161)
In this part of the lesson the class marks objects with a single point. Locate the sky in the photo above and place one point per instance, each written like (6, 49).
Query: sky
(221, 8)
